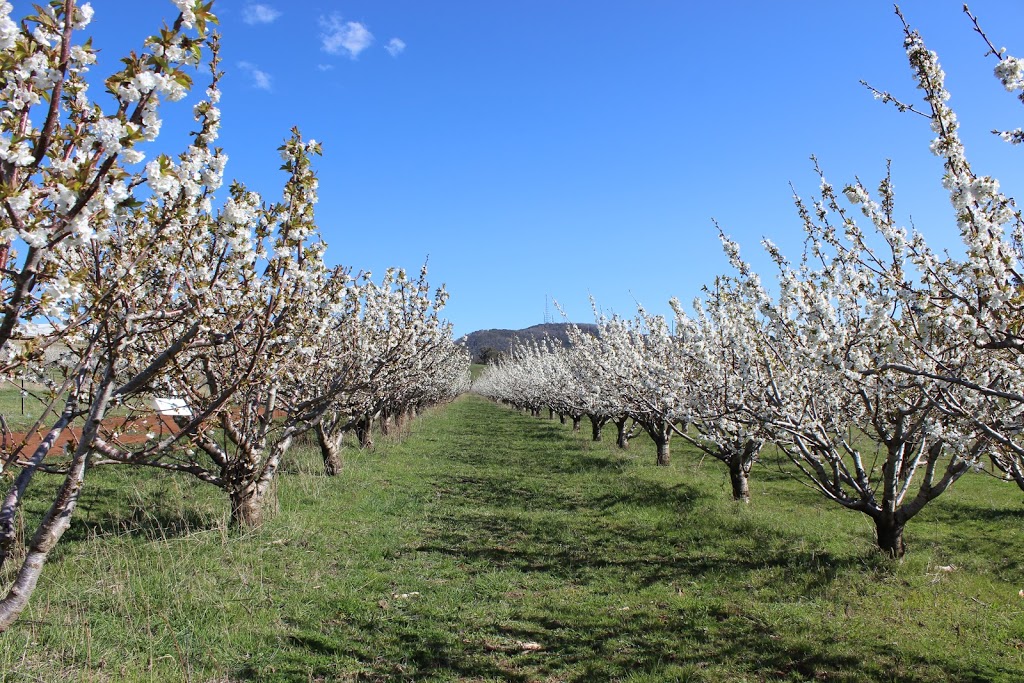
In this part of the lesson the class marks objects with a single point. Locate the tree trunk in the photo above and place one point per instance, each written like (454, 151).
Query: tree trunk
(664, 454)
(53, 526)
(364, 431)
(385, 422)
(561, 418)
(740, 478)
(246, 508)
(58, 517)
(661, 434)
(551, 413)
(12, 503)
(251, 484)
(889, 534)
(330, 450)
(576, 423)
(621, 436)
(596, 427)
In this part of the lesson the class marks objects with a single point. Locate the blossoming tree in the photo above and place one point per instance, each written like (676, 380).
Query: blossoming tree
(649, 373)
(394, 356)
(114, 257)
(970, 308)
(726, 383)
(277, 301)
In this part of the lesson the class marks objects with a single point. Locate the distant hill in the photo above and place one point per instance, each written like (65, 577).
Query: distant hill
(500, 341)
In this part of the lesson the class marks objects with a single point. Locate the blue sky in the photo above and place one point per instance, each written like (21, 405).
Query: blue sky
(562, 149)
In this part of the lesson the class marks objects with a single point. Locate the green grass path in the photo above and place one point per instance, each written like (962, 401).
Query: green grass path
(491, 546)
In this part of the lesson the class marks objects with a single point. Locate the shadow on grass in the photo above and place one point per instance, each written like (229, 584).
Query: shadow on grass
(658, 641)
(678, 498)
(691, 640)
(415, 657)
(955, 512)
(152, 524)
(153, 507)
(635, 533)
(576, 550)
(596, 552)
(970, 529)
(519, 494)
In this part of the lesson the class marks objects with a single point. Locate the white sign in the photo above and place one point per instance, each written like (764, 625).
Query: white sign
(172, 406)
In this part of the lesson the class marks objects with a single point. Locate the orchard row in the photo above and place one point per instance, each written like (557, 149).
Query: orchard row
(124, 289)
(884, 370)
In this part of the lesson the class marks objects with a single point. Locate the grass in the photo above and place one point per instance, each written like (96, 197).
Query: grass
(491, 546)
(19, 411)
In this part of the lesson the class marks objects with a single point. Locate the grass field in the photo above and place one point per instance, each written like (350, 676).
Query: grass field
(491, 546)
(19, 411)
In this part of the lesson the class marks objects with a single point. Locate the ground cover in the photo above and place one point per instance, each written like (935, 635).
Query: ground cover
(20, 410)
(494, 546)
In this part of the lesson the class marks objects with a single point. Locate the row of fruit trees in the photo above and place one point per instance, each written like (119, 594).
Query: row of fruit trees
(119, 265)
(882, 369)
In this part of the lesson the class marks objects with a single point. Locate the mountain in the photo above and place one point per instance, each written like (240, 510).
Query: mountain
(485, 344)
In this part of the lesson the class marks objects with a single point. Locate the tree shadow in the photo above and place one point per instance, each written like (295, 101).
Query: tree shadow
(630, 534)
(629, 554)
(556, 532)
(679, 498)
(153, 507)
(955, 511)
(691, 639)
(407, 656)
(572, 646)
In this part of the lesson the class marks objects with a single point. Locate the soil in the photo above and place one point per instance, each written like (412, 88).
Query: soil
(129, 431)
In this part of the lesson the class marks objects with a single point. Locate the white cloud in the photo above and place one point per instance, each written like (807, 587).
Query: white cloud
(260, 14)
(344, 37)
(395, 46)
(324, 67)
(260, 79)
